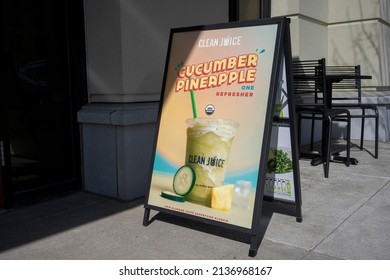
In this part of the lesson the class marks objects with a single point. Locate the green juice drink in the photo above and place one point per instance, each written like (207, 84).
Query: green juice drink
(208, 148)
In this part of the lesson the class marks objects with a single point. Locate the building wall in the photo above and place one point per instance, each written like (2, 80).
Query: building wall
(127, 39)
(344, 32)
(308, 26)
(127, 42)
(126, 47)
(359, 34)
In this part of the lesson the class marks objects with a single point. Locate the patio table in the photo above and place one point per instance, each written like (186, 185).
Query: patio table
(330, 80)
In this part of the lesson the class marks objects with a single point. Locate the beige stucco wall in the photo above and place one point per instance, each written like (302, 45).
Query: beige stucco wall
(359, 33)
(356, 43)
(284, 7)
(308, 26)
(343, 31)
(352, 10)
(346, 32)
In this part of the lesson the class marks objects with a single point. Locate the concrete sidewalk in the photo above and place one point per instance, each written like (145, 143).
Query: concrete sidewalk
(345, 216)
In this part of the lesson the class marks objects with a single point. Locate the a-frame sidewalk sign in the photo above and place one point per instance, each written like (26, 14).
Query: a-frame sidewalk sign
(226, 137)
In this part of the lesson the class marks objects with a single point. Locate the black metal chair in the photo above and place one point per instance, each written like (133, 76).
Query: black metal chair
(347, 94)
(309, 82)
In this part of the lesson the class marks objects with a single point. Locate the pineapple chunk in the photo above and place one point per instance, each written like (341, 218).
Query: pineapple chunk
(221, 197)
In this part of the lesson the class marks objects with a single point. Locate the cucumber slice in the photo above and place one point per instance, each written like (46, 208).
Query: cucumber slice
(173, 196)
(184, 180)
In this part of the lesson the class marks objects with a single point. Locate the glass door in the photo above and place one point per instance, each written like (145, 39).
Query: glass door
(40, 100)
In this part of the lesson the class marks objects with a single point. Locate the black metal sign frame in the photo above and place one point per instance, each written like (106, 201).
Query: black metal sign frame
(281, 55)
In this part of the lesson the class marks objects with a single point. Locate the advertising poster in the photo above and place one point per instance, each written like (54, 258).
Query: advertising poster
(279, 182)
(212, 120)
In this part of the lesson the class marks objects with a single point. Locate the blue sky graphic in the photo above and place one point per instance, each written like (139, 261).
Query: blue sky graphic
(162, 165)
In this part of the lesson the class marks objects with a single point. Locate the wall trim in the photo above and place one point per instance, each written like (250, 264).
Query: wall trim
(119, 114)
(123, 98)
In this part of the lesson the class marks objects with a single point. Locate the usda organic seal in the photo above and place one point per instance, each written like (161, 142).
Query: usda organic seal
(210, 109)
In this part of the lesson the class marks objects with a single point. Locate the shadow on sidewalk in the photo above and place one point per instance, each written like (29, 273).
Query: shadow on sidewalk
(31, 223)
(34, 222)
(268, 209)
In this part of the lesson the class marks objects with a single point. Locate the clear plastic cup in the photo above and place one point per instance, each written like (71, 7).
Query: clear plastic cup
(208, 148)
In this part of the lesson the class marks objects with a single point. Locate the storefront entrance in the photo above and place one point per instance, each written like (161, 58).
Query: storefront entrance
(41, 91)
